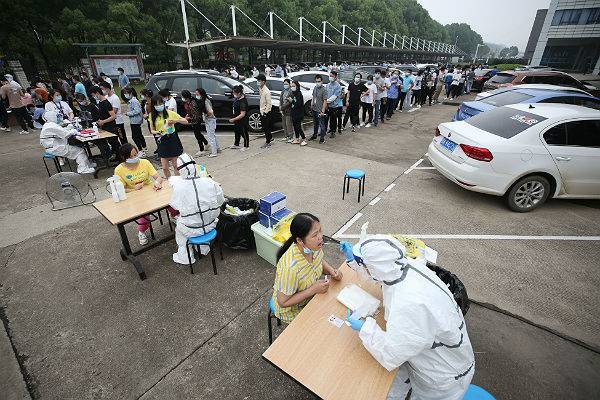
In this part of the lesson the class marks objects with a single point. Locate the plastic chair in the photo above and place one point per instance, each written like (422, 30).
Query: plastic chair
(357, 174)
(271, 315)
(476, 393)
(50, 156)
(206, 239)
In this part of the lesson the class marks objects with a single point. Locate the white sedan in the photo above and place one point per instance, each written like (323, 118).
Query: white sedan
(525, 152)
(275, 86)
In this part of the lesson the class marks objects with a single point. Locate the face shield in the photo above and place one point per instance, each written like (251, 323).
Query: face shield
(51, 116)
(188, 169)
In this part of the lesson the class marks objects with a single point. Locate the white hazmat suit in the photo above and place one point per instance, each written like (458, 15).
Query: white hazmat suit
(426, 335)
(198, 199)
(53, 138)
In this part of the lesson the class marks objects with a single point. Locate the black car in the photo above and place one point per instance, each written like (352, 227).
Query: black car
(219, 88)
(481, 77)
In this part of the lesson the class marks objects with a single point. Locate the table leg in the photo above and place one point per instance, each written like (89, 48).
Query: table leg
(127, 254)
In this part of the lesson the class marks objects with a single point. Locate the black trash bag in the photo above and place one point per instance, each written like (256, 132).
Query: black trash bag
(235, 229)
(459, 291)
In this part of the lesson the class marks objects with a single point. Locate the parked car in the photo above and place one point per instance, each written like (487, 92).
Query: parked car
(511, 78)
(481, 77)
(275, 86)
(541, 86)
(523, 152)
(518, 94)
(533, 68)
(219, 88)
(307, 79)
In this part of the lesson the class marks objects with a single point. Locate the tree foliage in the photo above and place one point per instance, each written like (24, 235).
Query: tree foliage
(45, 38)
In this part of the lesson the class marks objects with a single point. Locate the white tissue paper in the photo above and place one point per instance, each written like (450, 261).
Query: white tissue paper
(356, 299)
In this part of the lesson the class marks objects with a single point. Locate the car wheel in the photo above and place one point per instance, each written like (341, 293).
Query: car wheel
(254, 121)
(528, 193)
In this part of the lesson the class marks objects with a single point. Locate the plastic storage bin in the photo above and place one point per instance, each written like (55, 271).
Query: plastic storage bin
(266, 246)
(271, 221)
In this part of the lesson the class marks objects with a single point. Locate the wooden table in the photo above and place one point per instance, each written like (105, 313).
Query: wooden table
(138, 204)
(102, 135)
(331, 362)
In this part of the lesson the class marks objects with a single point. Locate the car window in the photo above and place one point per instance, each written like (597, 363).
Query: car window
(556, 136)
(307, 78)
(566, 80)
(161, 83)
(502, 78)
(585, 133)
(275, 85)
(325, 78)
(587, 102)
(505, 122)
(214, 86)
(184, 83)
(559, 100)
(253, 85)
(503, 99)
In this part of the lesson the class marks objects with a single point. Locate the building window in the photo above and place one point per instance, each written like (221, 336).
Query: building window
(593, 16)
(566, 17)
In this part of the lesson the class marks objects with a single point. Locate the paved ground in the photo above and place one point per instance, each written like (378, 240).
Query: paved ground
(82, 326)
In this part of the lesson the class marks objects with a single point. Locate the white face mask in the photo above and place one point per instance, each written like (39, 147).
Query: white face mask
(356, 79)
(377, 75)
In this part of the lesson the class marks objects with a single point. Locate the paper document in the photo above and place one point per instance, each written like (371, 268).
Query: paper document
(356, 298)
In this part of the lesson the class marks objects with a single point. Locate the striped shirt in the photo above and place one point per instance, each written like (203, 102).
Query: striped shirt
(295, 274)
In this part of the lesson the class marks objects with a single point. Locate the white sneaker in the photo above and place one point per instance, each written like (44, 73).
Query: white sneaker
(234, 147)
(367, 125)
(141, 154)
(295, 141)
(284, 139)
(290, 140)
(303, 143)
(5, 129)
(211, 155)
(362, 124)
(243, 149)
(61, 162)
(199, 153)
(143, 239)
(24, 133)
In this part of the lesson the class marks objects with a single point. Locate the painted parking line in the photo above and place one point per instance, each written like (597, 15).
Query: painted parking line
(347, 225)
(423, 168)
(488, 237)
(415, 165)
(374, 201)
(390, 187)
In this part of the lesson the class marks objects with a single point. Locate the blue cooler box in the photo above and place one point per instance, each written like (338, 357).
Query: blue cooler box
(270, 221)
(272, 203)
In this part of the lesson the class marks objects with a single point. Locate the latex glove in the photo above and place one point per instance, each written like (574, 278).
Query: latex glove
(355, 324)
(346, 248)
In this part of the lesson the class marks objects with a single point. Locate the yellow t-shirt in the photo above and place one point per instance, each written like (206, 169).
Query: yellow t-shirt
(159, 123)
(141, 174)
(295, 274)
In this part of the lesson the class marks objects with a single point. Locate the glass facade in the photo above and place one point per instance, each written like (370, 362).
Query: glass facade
(579, 16)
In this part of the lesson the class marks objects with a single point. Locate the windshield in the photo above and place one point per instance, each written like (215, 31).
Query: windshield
(506, 98)
(502, 78)
(505, 122)
(233, 82)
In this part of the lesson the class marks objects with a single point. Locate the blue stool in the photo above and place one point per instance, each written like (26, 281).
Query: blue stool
(50, 156)
(271, 315)
(206, 239)
(354, 174)
(476, 393)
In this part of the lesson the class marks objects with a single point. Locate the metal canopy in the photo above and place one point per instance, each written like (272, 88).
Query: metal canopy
(276, 44)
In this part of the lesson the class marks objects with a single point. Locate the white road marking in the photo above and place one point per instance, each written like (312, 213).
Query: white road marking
(424, 168)
(415, 165)
(347, 225)
(390, 187)
(374, 201)
(488, 237)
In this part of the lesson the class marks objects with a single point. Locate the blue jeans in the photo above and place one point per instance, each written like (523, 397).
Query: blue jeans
(377, 108)
(318, 124)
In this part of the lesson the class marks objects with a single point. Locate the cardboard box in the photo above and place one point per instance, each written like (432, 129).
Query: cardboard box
(272, 203)
(269, 221)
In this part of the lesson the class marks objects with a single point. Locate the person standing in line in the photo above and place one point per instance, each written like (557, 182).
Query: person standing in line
(106, 121)
(123, 80)
(193, 113)
(267, 70)
(355, 90)
(255, 71)
(87, 83)
(297, 111)
(448, 82)
(136, 116)
(279, 71)
(408, 83)
(379, 84)
(334, 104)
(285, 104)
(163, 123)
(210, 121)
(79, 87)
(392, 95)
(384, 95)
(456, 77)
(116, 103)
(106, 79)
(13, 95)
(168, 100)
(426, 86)
(234, 74)
(416, 92)
(461, 82)
(470, 78)
(265, 109)
(439, 84)
(240, 120)
(318, 108)
(366, 100)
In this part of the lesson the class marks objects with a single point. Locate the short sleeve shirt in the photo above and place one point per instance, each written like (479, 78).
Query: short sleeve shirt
(240, 105)
(141, 174)
(295, 274)
(116, 103)
(159, 123)
(104, 108)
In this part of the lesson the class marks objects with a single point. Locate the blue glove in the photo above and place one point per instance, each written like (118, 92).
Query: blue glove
(346, 248)
(355, 324)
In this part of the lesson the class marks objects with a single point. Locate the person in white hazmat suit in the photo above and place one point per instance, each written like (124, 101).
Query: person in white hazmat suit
(426, 335)
(53, 138)
(198, 199)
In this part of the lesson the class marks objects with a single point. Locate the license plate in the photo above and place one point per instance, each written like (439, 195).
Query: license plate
(449, 144)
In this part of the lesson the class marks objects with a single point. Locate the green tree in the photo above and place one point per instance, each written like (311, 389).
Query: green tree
(466, 38)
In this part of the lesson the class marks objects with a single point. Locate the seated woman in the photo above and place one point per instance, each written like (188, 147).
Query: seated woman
(54, 138)
(300, 264)
(198, 199)
(135, 173)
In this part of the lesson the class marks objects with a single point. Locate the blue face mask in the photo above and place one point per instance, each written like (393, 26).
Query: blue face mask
(159, 108)
(58, 99)
(307, 251)
(198, 97)
(132, 160)
(128, 97)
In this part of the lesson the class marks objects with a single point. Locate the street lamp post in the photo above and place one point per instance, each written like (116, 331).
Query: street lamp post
(476, 50)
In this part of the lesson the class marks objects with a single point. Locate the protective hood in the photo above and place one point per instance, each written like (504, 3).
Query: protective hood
(383, 255)
(188, 169)
(50, 116)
